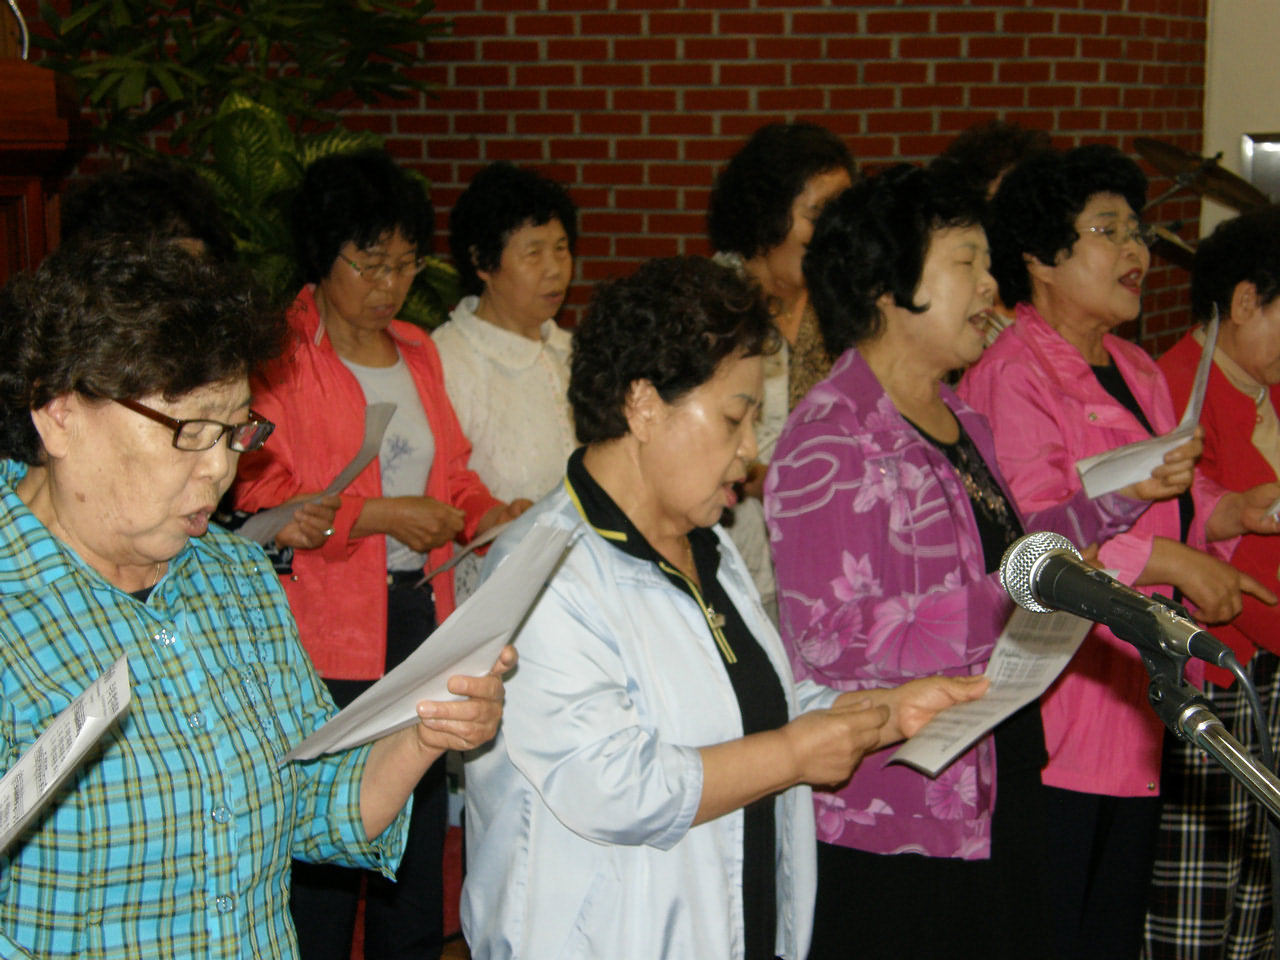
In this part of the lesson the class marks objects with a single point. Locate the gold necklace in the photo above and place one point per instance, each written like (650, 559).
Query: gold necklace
(715, 619)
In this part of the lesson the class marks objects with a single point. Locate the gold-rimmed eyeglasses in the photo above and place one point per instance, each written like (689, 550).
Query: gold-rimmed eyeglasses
(197, 435)
(1144, 233)
(379, 273)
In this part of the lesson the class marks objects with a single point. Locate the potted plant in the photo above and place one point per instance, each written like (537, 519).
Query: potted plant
(248, 92)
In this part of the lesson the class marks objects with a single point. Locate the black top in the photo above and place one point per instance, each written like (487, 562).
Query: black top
(998, 524)
(1111, 381)
(761, 700)
(1020, 738)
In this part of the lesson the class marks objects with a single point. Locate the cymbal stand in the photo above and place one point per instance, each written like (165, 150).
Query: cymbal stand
(1185, 179)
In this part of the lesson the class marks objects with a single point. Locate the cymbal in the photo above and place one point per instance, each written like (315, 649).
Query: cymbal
(1172, 247)
(1201, 174)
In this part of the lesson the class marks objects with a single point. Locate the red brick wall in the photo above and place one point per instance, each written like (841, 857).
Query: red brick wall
(635, 103)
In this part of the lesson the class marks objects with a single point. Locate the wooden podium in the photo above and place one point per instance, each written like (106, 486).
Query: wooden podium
(41, 138)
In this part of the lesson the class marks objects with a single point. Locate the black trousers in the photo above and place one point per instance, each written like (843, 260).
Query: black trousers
(1101, 851)
(404, 919)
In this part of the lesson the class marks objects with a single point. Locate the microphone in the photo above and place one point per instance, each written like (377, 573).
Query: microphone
(1044, 572)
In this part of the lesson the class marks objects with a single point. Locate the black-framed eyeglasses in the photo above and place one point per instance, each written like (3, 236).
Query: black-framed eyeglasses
(1144, 233)
(378, 273)
(197, 435)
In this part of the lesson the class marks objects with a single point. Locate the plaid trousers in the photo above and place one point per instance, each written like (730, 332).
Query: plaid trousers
(1211, 888)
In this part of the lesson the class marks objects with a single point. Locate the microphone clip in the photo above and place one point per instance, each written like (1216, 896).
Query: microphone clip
(1170, 695)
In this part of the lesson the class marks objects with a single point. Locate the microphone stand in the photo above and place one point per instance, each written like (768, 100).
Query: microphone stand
(1182, 708)
(1190, 717)
(1185, 712)
(1165, 637)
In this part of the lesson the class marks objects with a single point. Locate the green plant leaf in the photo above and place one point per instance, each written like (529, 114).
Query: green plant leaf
(182, 39)
(130, 91)
(337, 141)
(50, 16)
(120, 14)
(423, 309)
(444, 279)
(169, 85)
(80, 16)
(245, 148)
(103, 86)
(121, 64)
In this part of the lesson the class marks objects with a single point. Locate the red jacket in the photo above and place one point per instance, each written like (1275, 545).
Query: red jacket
(1231, 459)
(338, 592)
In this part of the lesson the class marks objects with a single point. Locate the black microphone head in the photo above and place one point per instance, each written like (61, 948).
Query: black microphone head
(1019, 563)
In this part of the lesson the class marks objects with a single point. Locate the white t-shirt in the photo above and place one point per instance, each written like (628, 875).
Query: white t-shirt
(408, 445)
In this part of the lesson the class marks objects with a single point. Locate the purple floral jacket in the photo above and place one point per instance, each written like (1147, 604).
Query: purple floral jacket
(881, 579)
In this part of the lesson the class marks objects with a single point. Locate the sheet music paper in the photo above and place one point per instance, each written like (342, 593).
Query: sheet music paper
(476, 543)
(1107, 472)
(263, 526)
(33, 781)
(1029, 654)
(468, 642)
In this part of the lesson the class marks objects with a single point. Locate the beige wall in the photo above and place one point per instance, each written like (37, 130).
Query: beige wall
(1242, 84)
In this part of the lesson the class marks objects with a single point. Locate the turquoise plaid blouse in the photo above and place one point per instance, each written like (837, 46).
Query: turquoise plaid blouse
(176, 838)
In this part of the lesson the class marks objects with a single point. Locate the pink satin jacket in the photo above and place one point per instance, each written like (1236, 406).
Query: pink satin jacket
(1047, 410)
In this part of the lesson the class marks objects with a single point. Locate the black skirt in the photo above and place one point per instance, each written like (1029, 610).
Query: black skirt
(872, 906)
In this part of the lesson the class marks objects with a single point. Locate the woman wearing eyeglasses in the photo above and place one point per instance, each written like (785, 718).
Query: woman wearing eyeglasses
(1068, 248)
(124, 405)
(361, 225)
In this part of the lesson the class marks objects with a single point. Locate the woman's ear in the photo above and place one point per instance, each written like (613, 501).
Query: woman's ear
(55, 422)
(643, 408)
(1037, 269)
(474, 256)
(1244, 303)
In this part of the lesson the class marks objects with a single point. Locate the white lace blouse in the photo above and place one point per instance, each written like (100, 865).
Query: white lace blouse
(511, 397)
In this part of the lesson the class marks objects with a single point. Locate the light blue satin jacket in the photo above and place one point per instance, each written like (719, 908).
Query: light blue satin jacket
(579, 836)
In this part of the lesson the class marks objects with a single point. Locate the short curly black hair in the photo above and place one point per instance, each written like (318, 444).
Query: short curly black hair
(1034, 211)
(1244, 249)
(119, 317)
(984, 151)
(873, 239)
(152, 199)
(750, 208)
(356, 198)
(671, 323)
(500, 200)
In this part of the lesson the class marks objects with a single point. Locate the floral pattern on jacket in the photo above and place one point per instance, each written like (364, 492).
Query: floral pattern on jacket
(882, 579)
